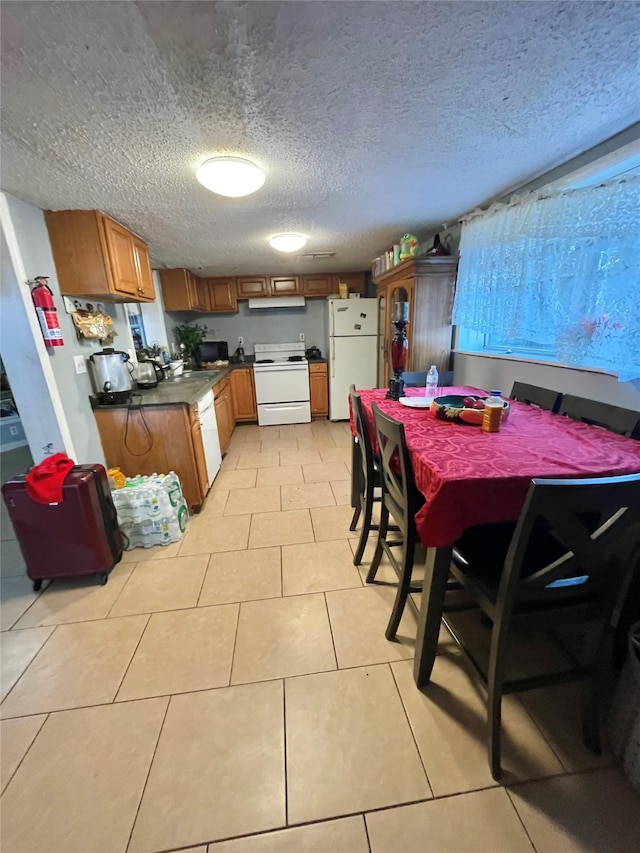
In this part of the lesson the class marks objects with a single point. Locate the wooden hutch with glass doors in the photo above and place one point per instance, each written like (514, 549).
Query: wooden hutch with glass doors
(428, 285)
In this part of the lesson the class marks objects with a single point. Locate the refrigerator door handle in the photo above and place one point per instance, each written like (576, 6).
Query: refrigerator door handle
(333, 357)
(333, 320)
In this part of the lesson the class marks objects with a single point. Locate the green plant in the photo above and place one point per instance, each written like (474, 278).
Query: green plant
(151, 351)
(190, 335)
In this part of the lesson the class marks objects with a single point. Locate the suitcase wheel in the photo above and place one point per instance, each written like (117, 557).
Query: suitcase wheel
(37, 585)
(103, 579)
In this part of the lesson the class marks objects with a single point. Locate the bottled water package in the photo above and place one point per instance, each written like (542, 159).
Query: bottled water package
(151, 510)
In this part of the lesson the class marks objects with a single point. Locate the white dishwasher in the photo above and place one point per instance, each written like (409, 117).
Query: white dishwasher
(210, 437)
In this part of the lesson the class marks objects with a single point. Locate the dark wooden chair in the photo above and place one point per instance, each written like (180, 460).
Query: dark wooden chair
(401, 500)
(532, 395)
(614, 418)
(555, 570)
(419, 380)
(365, 478)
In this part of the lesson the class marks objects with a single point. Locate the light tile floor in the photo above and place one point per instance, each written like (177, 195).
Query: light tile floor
(235, 693)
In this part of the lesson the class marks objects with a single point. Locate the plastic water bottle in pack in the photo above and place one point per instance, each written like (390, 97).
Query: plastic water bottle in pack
(151, 510)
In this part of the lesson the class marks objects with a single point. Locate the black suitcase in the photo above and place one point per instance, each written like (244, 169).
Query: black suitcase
(79, 536)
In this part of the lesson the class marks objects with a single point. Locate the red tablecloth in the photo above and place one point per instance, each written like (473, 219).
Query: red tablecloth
(470, 477)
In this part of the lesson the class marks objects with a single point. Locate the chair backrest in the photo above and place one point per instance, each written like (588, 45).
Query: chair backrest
(532, 395)
(614, 418)
(366, 451)
(565, 539)
(417, 380)
(399, 492)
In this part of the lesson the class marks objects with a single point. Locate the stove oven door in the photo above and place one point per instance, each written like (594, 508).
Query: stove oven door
(282, 393)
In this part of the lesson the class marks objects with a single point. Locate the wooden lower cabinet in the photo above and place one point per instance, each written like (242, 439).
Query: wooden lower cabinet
(224, 412)
(319, 390)
(198, 450)
(243, 394)
(156, 440)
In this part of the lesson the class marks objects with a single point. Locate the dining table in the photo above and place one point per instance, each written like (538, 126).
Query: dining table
(470, 477)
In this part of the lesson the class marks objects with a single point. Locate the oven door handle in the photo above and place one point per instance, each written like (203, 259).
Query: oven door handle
(278, 368)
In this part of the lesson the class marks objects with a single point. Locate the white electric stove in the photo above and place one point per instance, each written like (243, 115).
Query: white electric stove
(281, 375)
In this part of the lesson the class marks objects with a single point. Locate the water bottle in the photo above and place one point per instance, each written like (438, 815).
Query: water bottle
(431, 388)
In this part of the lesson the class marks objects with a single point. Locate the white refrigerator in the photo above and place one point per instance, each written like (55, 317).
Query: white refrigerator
(352, 351)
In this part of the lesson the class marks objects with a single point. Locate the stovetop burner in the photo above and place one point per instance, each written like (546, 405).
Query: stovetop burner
(264, 361)
(296, 358)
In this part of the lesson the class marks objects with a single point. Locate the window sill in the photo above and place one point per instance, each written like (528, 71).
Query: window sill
(529, 360)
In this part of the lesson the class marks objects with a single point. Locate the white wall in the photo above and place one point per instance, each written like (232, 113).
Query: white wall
(29, 385)
(494, 372)
(35, 251)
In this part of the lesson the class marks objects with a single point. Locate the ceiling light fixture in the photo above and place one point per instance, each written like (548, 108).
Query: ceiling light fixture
(230, 176)
(287, 242)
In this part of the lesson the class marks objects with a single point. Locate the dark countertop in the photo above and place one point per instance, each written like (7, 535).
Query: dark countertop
(186, 390)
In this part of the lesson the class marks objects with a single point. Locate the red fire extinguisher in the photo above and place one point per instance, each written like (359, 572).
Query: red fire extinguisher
(46, 311)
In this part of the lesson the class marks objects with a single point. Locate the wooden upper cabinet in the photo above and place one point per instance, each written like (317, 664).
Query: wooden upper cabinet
(222, 294)
(146, 289)
(281, 285)
(319, 284)
(250, 287)
(97, 257)
(122, 257)
(184, 291)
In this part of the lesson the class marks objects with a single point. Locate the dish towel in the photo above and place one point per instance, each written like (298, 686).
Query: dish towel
(44, 481)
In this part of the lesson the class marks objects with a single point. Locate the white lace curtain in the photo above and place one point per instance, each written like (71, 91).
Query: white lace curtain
(560, 268)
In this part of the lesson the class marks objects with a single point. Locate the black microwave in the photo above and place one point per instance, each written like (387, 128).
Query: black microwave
(209, 351)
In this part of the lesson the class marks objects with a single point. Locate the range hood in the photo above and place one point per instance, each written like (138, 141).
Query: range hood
(278, 302)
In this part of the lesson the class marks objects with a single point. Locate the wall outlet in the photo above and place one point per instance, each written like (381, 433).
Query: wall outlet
(13, 430)
(302, 336)
(240, 341)
(80, 363)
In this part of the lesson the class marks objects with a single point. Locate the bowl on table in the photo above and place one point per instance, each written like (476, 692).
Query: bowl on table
(463, 409)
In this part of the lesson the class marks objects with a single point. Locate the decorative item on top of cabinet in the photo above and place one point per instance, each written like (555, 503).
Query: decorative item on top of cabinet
(184, 291)
(427, 284)
(319, 390)
(252, 286)
(353, 280)
(243, 394)
(224, 412)
(222, 295)
(97, 257)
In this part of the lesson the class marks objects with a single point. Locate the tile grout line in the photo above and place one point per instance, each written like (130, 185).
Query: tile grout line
(284, 743)
(124, 585)
(233, 650)
(146, 781)
(24, 612)
(204, 577)
(128, 666)
(333, 642)
(519, 816)
(28, 749)
(366, 831)
(23, 673)
(413, 735)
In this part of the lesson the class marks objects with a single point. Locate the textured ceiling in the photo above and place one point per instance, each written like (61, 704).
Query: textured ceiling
(369, 119)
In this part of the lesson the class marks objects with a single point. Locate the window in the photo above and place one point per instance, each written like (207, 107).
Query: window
(554, 275)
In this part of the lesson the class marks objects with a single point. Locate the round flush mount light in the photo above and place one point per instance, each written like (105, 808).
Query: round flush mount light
(230, 176)
(287, 242)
